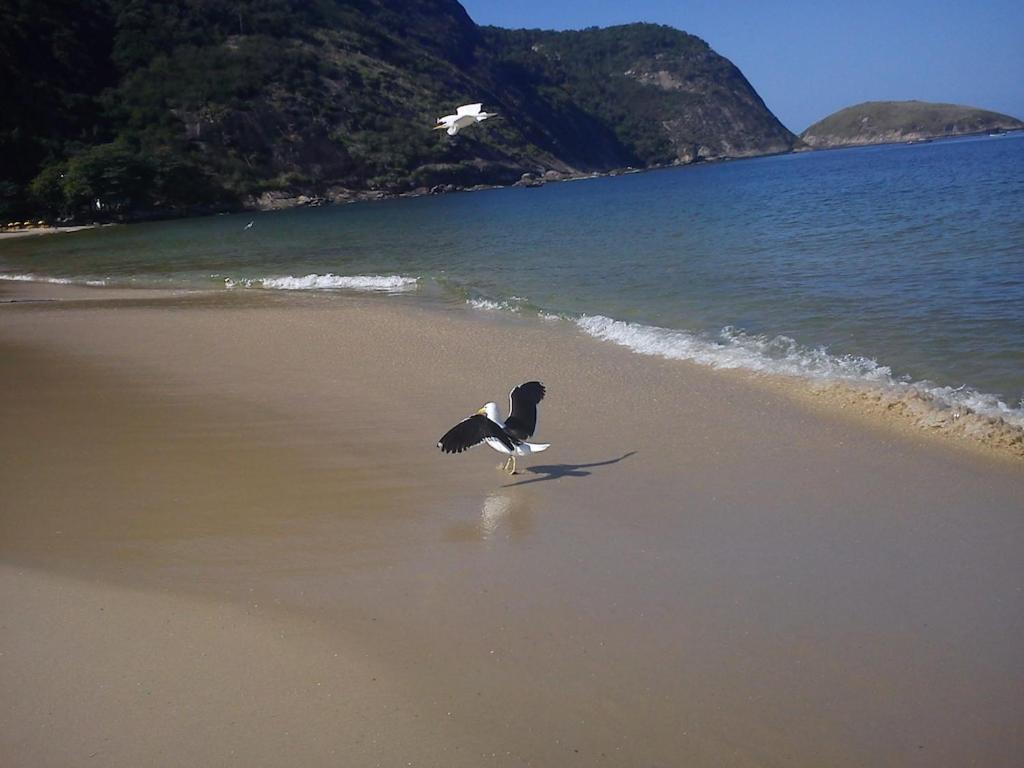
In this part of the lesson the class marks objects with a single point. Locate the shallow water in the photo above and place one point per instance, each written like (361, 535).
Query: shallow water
(894, 264)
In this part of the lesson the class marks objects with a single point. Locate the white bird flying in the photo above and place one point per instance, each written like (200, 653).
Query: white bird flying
(465, 115)
(509, 436)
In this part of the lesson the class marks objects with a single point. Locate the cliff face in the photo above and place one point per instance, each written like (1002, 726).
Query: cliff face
(882, 122)
(248, 102)
(667, 95)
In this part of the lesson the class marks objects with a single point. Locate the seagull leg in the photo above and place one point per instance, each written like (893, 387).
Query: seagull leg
(512, 459)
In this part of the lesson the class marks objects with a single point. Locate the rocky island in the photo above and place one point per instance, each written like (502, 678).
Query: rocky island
(887, 122)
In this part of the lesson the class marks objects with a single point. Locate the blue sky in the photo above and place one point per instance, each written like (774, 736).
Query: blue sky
(807, 59)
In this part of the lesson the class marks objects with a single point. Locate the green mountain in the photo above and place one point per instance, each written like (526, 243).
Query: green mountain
(882, 122)
(115, 108)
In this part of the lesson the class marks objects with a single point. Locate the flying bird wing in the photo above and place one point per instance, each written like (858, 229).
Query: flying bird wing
(522, 409)
(472, 431)
(469, 109)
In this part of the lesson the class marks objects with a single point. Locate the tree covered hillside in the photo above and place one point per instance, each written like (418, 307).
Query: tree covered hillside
(190, 105)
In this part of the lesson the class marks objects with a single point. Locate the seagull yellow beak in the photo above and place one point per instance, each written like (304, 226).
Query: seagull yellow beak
(482, 412)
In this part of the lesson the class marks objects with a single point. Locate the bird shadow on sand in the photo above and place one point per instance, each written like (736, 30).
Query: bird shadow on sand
(555, 471)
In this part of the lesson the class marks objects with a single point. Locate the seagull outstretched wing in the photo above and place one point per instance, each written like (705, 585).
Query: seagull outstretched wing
(472, 431)
(522, 409)
(469, 109)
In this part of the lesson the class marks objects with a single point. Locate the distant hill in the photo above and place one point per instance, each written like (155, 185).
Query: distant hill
(881, 122)
(179, 106)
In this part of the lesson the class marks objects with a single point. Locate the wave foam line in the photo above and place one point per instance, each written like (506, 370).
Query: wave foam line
(314, 282)
(30, 278)
(513, 304)
(977, 415)
(735, 350)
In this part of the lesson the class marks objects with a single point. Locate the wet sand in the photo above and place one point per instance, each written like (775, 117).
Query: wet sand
(226, 537)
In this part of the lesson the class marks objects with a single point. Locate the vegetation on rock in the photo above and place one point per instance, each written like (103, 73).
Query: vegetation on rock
(881, 122)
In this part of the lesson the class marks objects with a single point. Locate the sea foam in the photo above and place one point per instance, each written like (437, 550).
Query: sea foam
(512, 304)
(314, 282)
(926, 403)
(30, 278)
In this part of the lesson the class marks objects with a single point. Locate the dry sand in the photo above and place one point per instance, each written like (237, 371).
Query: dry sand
(226, 538)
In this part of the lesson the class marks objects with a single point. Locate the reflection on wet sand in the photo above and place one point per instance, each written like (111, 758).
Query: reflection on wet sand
(508, 512)
(512, 510)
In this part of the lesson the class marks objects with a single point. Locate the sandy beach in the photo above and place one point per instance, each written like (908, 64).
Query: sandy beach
(12, 233)
(227, 538)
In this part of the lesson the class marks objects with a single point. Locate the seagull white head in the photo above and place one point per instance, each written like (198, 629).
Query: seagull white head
(490, 410)
(464, 116)
(509, 436)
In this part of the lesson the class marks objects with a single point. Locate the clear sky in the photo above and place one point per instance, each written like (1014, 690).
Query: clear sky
(808, 58)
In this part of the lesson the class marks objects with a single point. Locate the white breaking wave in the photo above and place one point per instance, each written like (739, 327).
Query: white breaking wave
(512, 304)
(29, 278)
(488, 305)
(782, 355)
(314, 282)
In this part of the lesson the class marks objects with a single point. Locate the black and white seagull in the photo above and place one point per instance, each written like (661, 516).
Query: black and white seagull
(509, 436)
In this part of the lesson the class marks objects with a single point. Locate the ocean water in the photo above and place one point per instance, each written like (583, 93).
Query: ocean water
(901, 265)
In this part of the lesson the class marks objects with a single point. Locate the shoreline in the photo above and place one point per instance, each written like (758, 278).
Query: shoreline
(911, 409)
(908, 409)
(910, 140)
(220, 508)
(279, 200)
(6, 234)
(282, 200)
